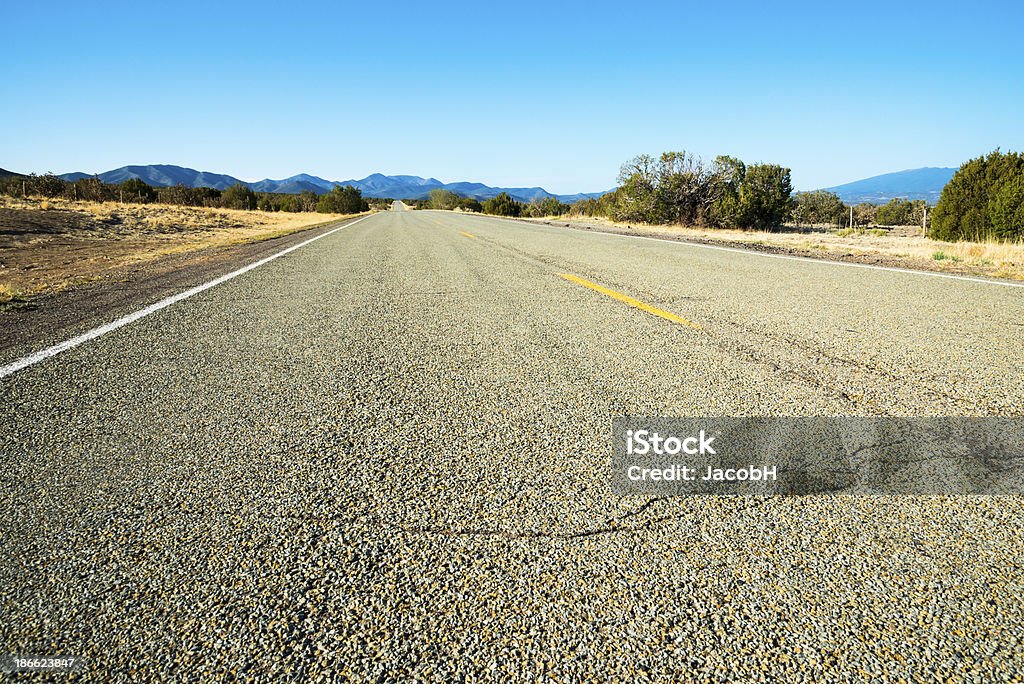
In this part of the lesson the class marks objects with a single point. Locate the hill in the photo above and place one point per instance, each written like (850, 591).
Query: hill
(374, 185)
(925, 183)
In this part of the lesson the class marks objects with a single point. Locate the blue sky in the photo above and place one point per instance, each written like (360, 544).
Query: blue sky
(551, 94)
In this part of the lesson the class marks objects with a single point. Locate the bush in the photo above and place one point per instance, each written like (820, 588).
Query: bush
(502, 205)
(819, 207)
(442, 199)
(137, 189)
(982, 200)
(547, 206)
(470, 204)
(679, 187)
(239, 196)
(47, 185)
(342, 200)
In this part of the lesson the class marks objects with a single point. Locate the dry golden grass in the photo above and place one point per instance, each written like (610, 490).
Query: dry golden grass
(50, 245)
(994, 259)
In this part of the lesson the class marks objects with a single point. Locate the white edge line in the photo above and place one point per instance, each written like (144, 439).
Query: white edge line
(753, 252)
(38, 356)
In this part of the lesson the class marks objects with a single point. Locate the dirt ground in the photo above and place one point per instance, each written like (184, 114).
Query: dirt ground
(902, 247)
(50, 246)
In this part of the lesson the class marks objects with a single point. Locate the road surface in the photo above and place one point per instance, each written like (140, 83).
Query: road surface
(384, 456)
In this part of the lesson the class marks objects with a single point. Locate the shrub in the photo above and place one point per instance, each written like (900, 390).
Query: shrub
(503, 205)
(239, 196)
(982, 200)
(342, 200)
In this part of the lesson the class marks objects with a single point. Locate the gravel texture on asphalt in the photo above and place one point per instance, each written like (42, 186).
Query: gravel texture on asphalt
(384, 457)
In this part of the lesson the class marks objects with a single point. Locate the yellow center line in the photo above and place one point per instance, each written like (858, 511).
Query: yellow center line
(469, 235)
(626, 299)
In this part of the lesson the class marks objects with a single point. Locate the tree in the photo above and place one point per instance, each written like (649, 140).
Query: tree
(136, 189)
(819, 207)
(965, 210)
(636, 199)
(502, 205)
(765, 198)
(687, 188)
(47, 185)
(439, 198)
(865, 214)
(897, 212)
(1006, 209)
(545, 206)
(729, 173)
(239, 196)
(92, 190)
(342, 200)
(470, 204)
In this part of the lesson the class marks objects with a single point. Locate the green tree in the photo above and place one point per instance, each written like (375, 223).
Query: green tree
(47, 185)
(342, 200)
(765, 196)
(439, 198)
(897, 212)
(729, 173)
(470, 204)
(502, 205)
(1006, 209)
(91, 190)
(819, 207)
(636, 199)
(545, 206)
(137, 190)
(965, 208)
(687, 188)
(239, 196)
(865, 214)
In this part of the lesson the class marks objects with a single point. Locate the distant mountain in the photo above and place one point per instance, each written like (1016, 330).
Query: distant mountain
(294, 185)
(162, 176)
(925, 183)
(374, 185)
(4, 173)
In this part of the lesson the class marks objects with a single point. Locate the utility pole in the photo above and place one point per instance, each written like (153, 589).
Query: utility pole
(924, 222)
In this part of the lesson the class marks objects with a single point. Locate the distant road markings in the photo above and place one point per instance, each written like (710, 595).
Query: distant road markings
(469, 235)
(626, 299)
(35, 358)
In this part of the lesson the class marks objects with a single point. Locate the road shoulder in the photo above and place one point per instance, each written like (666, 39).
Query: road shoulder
(53, 317)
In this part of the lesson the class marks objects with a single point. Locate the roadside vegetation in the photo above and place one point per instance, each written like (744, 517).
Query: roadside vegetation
(976, 227)
(984, 200)
(51, 244)
(347, 200)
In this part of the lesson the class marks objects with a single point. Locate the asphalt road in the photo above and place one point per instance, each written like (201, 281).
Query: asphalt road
(384, 456)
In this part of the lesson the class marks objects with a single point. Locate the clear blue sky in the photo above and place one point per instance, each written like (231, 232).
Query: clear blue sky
(551, 94)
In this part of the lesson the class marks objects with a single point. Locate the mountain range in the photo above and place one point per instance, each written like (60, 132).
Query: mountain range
(925, 183)
(374, 185)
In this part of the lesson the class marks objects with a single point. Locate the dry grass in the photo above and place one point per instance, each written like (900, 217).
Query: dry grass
(994, 259)
(50, 245)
